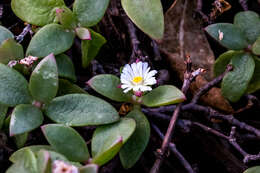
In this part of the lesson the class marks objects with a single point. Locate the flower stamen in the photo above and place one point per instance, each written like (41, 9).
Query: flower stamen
(137, 79)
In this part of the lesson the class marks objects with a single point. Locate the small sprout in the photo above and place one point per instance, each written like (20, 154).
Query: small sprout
(220, 35)
(62, 167)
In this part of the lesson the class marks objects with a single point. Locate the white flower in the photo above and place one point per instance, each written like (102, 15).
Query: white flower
(62, 167)
(137, 77)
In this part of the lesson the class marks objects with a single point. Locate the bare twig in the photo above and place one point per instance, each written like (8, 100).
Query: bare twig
(232, 140)
(243, 4)
(199, 11)
(26, 30)
(1, 10)
(210, 85)
(211, 113)
(174, 150)
(156, 51)
(188, 77)
(136, 53)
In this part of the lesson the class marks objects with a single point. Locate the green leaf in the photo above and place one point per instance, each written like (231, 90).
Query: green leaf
(66, 17)
(44, 161)
(43, 83)
(81, 110)
(20, 140)
(36, 12)
(5, 34)
(52, 38)
(163, 95)
(25, 118)
(108, 139)
(13, 87)
(90, 48)
(222, 62)
(235, 83)
(83, 33)
(16, 156)
(256, 47)
(89, 12)
(233, 38)
(90, 168)
(66, 87)
(249, 23)
(254, 84)
(107, 85)
(147, 15)
(65, 140)
(65, 67)
(255, 169)
(3, 112)
(136, 144)
(26, 164)
(10, 50)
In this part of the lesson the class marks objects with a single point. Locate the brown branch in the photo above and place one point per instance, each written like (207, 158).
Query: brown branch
(136, 52)
(188, 77)
(213, 114)
(199, 11)
(156, 51)
(232, 140)
(210, 85)
(174, 150)
(26, 30)
(243, 4)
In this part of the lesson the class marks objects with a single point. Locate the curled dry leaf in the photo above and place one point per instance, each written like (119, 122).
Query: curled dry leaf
(193, 42)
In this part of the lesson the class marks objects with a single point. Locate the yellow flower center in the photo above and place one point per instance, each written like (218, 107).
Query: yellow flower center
(137, 79)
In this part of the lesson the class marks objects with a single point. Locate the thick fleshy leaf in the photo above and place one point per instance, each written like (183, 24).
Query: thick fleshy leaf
(81, 110)
(10, 50)
(228, 35)
(66, 87)
(249, 23)
(90, 168)
(20, 139)
(108, 85)
(136, 144)
(25, 118)
(255, 169)
(44, 161)
(5, 34)
(15, 157)
(83, 33)
(256, 47)
(163, 95)
(90, 48)
(65, 67)
(43, 83)
(254, 84)
(26, 164)
(65, 140)
(66, 17)
(36, 12)
(89, 12)
(13, 87)
(147, 15)
(52, 38)
(235, 83)
(108, 139)
(222, 62)
(3, 112)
